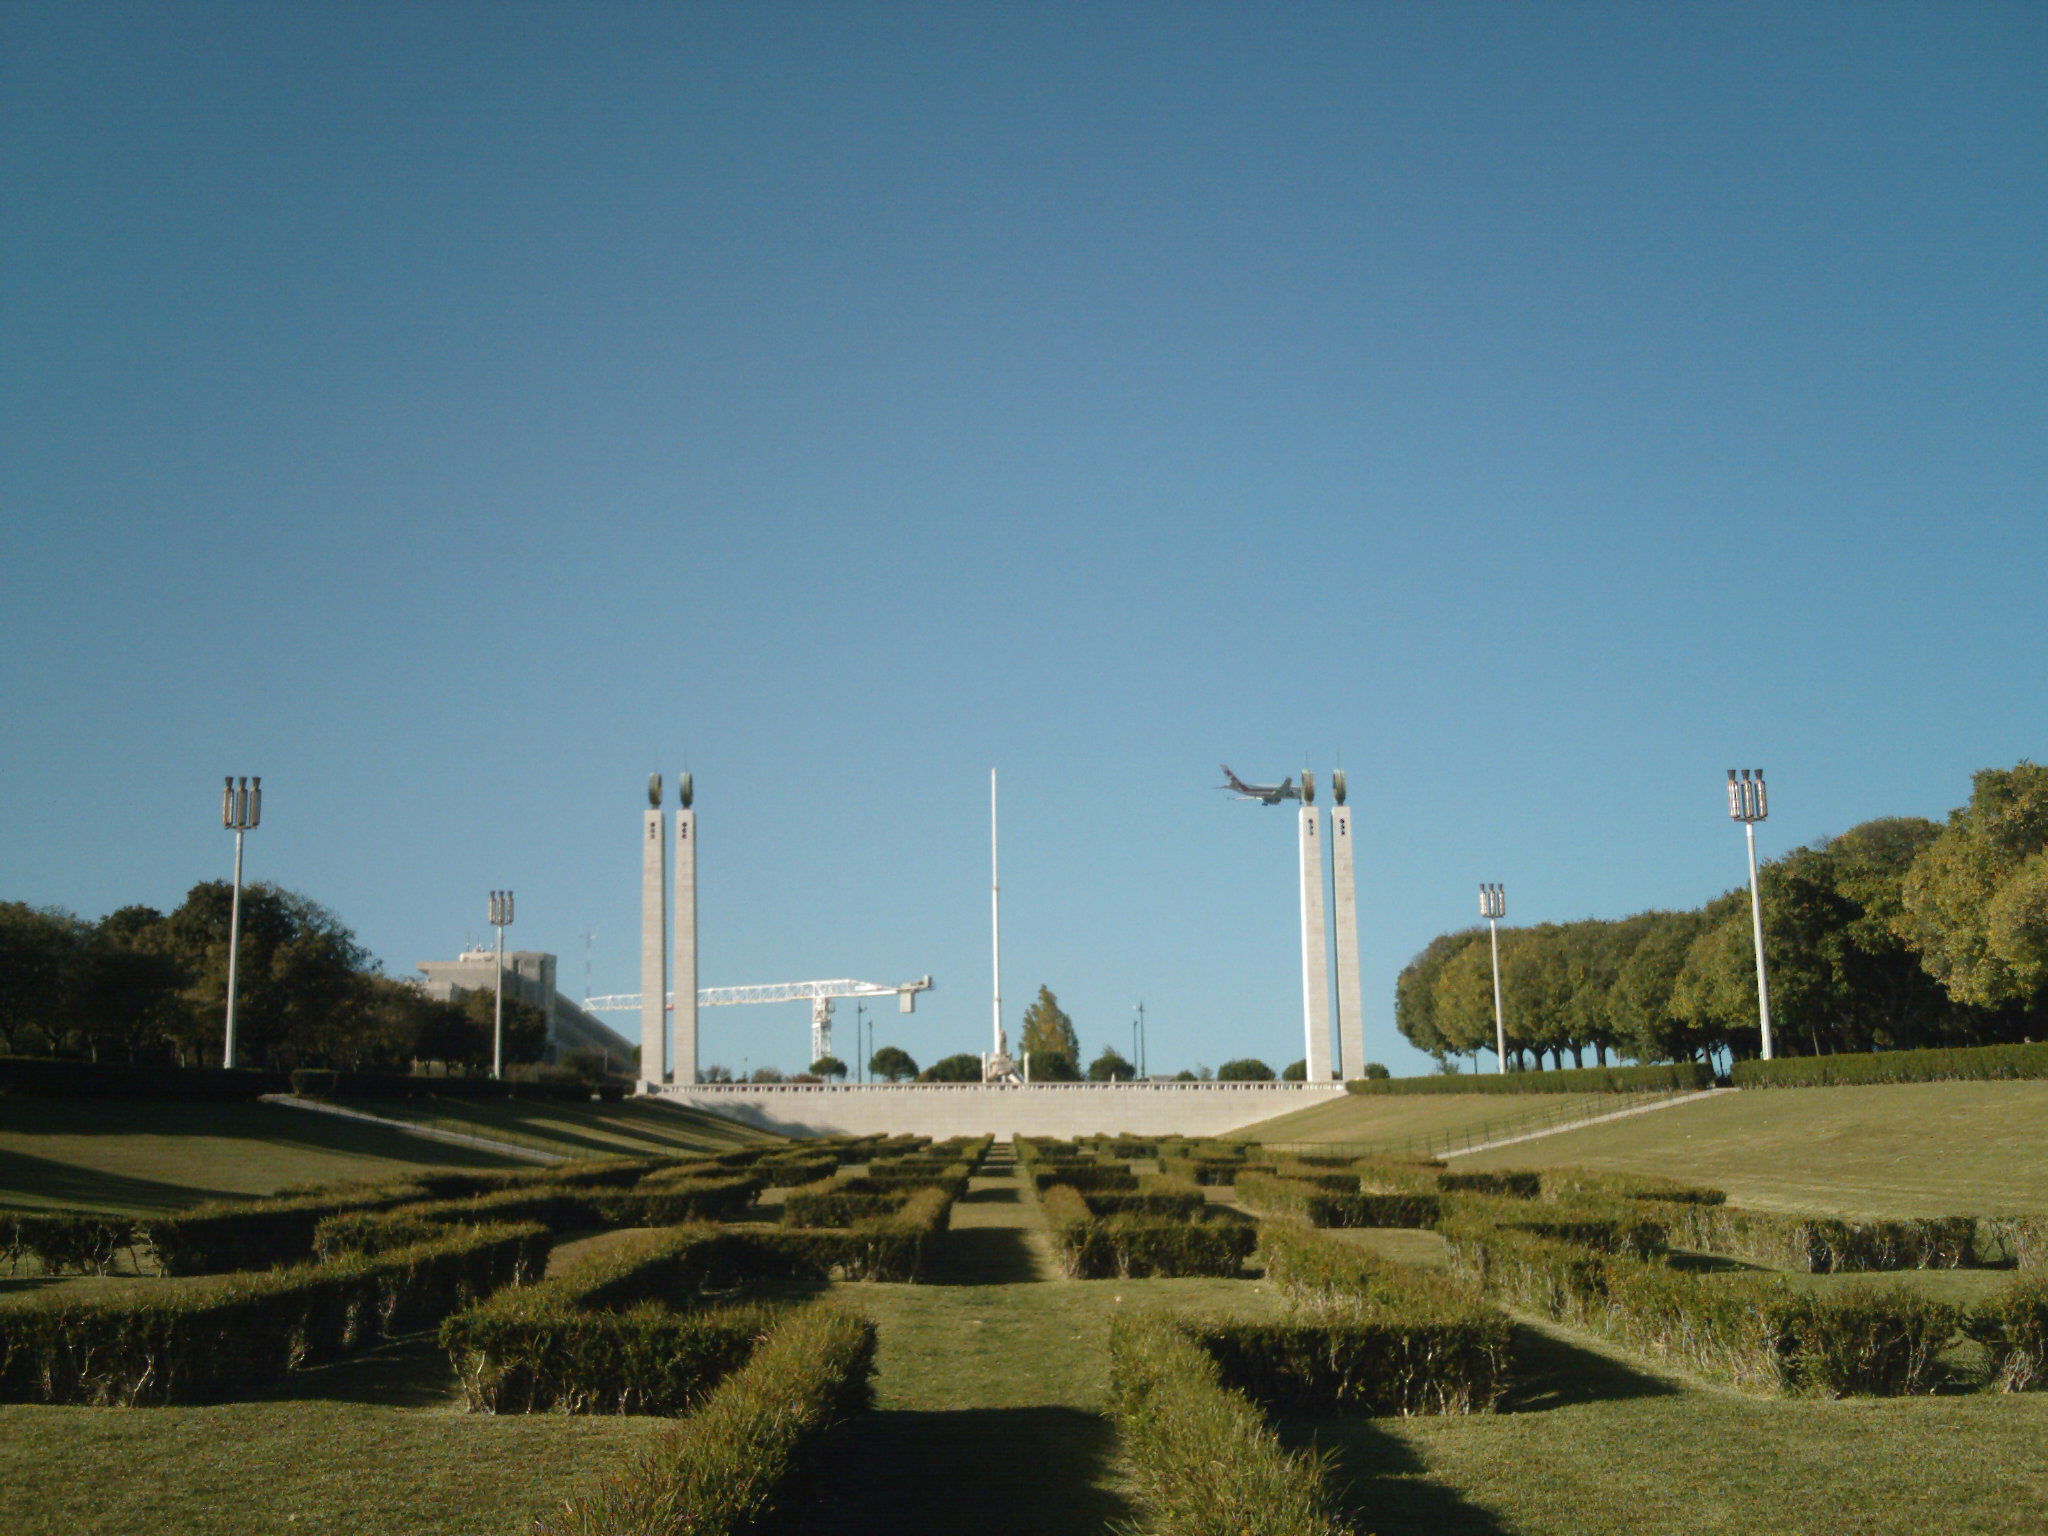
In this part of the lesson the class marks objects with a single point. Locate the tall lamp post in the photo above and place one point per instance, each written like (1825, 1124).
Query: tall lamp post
(1138, 1039)
(1493, 906)
(501, 919)
(860, 1025)
(241, 809)
(1749, 804)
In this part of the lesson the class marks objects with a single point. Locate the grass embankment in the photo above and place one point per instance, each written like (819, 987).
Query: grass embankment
(1909, 1149)
(137, 1158)
(631, 1127)
(1414, 1123)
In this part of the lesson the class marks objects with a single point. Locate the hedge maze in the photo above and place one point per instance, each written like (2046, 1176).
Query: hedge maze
(723, 1294)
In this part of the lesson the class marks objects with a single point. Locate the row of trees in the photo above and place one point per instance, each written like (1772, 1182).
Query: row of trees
(141, 985)
(1898, 933)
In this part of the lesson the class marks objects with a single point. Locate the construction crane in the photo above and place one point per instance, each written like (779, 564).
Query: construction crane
(819, 994)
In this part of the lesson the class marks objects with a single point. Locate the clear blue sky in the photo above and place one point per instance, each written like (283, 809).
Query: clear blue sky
(452, 412)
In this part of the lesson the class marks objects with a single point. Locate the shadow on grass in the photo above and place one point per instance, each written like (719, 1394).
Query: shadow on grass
(989, 1471)
(412, 1372)
(1711, 1263)
(1551, 1372)
(982, 1256)
(67, 1184)
(1378, 1481)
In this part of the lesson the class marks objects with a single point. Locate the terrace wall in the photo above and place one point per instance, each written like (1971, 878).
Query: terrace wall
(999, 1109)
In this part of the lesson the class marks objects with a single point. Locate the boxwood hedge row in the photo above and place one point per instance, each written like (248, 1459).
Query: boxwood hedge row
(1934, 1065)
(1368, 1336)
(1203, 1458)
(2012, 1327)
(1128, 1247)
(1665, 1077)
(1824, 1245)
(1754, 1331)
(205, 1340)
(67, 1242)
(743, 1456)
(1317, 1204)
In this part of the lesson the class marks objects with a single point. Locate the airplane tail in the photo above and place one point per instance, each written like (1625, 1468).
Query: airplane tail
(1231, 780)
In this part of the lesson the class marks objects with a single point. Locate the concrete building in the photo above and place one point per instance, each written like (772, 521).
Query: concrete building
(529, 979)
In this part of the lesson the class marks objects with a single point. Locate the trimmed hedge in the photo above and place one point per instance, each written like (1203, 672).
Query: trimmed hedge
(1753, 1331)
(206, 1341)
(558, 1209)
(1824, 1245)
(742, 1457)
(1665, 1077)
(1208, 1170)
(1319, 1206)
(1204, 1460)
(1156, 1195)
(2013, 1328)
(1131, 1247)
(43, 1077)
(842, 1201)
(884, 1247)
(1512, 1183)
(66, 1242)
(321, 1083)
(1087, 1177)
(1373, 1337)
(2021, 1241)
(1940, 1064)
(256, 1234)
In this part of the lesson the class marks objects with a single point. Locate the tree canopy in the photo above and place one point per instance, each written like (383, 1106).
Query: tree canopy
(1897, 933)
(1049, 1032)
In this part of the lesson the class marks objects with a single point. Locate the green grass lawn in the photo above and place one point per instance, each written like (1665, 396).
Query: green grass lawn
(1412, 1122)
(311, 1466)
(627, 1127)
(1907, 1149)
(137, 1158)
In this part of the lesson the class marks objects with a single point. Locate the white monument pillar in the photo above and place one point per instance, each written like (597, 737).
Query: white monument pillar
(1315, 952)
(685, 1060)
(1350, 1015)
(653, 940)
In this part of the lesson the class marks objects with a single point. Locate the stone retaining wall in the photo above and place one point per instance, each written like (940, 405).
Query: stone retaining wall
(997, 1109)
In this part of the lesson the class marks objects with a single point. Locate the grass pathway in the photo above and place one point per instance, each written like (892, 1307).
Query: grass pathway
(991, 1387)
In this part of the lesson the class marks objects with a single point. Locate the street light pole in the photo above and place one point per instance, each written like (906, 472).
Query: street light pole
(860, 1024)
(1749, 804)
(241, 808)
(1493, 906)
(1142, 1073)
(501, 918)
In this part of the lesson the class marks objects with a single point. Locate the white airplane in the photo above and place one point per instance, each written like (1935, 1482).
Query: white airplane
(1265, 794)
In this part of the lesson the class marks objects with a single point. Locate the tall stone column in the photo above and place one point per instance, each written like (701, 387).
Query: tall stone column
(1350, 1015)
(653, 942)
(1315, 951)
(686, 943)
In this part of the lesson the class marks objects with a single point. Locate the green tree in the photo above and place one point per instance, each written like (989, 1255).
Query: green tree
(1049, 1032)
(1245, 1069)
(38, 946)
(958, 1068)
(1974, 903)
(1461, 998)
(1296, 1072)
(830, 1068)
(1639, 1001)
(892, 1064)
(1111, 1067)
(1415, 992)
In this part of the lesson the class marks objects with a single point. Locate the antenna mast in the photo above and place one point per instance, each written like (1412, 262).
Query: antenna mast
(995, 915)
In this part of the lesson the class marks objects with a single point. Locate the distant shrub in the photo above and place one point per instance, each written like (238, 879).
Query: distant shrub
(66, 1242)
(1825, 1245)
(1651, 1079)
(1935, 1065)
(1245, 1069)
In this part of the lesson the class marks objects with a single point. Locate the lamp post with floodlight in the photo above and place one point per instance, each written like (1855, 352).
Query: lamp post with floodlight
(1493, 906)
(501, 918)
(1749, 804)
(241, 809)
